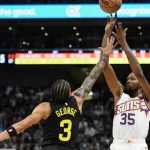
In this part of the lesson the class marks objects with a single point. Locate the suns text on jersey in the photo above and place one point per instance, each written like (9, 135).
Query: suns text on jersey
(65, 110)
(128, 106)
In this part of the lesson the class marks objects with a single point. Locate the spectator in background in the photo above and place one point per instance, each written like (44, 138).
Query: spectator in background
(101, 127)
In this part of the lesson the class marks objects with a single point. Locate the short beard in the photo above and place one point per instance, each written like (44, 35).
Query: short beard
(130, 91)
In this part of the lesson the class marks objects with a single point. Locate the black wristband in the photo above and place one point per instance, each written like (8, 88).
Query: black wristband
(11, 131)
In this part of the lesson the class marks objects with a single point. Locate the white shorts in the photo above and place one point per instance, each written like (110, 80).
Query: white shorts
(131, 144)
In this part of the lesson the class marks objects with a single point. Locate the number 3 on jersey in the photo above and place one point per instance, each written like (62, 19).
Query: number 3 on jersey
(66, 130)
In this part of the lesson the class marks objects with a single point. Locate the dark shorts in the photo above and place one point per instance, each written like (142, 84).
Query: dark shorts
(55, 147)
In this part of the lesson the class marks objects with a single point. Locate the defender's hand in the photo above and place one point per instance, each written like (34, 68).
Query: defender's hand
(109, 47)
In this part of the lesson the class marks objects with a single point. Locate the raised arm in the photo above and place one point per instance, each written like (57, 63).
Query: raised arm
(110, 76)
(134, 64)
(82, 92)
(42, 111)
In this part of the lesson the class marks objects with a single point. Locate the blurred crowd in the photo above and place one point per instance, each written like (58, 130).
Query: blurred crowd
(95, 128)
(16, 104)
(46, 34)
(61, 1)
(68, 36)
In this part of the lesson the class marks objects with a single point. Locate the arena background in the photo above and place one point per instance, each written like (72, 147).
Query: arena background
(23, 85)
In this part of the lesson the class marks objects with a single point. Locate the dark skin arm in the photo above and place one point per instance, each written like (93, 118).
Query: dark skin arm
(134, 64)
(82, 92)
(42, 111)
(110, 76)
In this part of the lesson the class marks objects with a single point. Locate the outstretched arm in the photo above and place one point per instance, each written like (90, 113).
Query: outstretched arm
(110, 76)
(134, 64)
(82, 92)
(89, 81)
(39, 113)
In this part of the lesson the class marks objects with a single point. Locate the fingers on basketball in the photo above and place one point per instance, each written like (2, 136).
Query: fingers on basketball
(110, 6)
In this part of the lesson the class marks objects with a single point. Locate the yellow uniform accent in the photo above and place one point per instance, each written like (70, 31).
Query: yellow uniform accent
(67, 130)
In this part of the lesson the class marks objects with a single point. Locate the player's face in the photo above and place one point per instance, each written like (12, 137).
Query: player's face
(132, 84)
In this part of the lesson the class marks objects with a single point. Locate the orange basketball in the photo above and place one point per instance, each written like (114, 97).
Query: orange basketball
(110, 6)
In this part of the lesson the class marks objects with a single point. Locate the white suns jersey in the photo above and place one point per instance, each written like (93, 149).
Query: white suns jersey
(131, 118)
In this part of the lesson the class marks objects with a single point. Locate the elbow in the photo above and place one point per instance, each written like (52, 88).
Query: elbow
(139, 74)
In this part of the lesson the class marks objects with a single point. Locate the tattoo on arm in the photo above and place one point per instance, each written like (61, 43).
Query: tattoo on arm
(89, 81)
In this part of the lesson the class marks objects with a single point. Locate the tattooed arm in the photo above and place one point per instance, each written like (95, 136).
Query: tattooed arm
(82, 92)
(42, 111)
(89, 81)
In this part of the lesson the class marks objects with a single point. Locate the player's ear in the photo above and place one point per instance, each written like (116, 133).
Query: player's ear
(70, 94)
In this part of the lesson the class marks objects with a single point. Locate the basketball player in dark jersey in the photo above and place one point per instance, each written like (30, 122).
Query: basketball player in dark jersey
(62, 115)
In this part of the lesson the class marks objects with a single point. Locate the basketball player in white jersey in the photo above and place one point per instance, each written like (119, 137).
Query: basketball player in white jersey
(132, 103)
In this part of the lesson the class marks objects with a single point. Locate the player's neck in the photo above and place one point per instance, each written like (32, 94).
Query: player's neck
(136, 93)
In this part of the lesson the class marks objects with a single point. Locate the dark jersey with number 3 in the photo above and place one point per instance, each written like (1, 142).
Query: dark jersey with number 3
(61, 128)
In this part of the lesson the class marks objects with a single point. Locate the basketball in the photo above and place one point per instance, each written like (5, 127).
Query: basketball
(110, 6)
